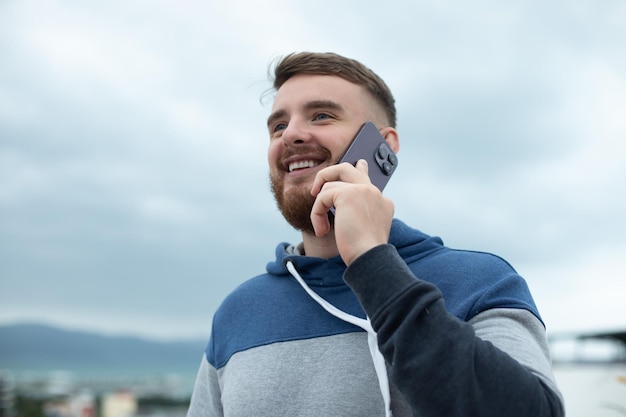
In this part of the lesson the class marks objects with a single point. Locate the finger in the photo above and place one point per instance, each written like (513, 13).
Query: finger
(328, 174)
(319, 212)
(343, 172)
(362, 166)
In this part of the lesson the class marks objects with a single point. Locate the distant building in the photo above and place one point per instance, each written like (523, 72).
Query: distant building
(590, 369)
(121, 403)
(81, 404)
(607, 347)
(7, 394)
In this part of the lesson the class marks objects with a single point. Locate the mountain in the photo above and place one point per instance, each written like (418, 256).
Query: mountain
(40, 347)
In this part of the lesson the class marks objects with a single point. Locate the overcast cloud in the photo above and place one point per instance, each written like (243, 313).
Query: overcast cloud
(133, 180)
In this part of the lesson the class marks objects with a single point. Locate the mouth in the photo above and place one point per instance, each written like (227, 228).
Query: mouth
(298, 165)
(301, 163)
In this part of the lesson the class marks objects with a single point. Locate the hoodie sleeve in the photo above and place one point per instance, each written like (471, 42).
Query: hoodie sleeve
(205, 399)
(439, 362)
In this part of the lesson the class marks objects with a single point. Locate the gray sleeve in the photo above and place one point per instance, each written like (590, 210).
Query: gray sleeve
(524, 340)
(205, 399)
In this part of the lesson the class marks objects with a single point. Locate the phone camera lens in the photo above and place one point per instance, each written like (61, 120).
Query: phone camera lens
(382, 152)
(387, 167)
(393, 159)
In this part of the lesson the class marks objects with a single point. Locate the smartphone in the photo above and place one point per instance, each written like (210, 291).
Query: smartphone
(370, 145)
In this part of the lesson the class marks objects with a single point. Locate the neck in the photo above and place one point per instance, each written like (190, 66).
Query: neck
(320, 247)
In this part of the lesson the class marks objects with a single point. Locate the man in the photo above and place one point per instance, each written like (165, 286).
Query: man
(366, 316)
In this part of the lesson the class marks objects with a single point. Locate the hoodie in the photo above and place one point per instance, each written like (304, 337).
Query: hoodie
(458, 330)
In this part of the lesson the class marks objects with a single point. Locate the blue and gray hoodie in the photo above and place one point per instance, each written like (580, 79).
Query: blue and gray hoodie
(459, 333)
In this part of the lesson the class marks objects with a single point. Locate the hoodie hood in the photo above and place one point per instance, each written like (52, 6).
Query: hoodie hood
(410, 243)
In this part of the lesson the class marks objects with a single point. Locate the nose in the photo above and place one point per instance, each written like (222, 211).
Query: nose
(296, 133)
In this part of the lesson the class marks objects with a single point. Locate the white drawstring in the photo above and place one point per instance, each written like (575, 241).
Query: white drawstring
(377, 357)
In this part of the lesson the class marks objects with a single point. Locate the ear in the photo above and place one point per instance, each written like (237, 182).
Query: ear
(391, 137)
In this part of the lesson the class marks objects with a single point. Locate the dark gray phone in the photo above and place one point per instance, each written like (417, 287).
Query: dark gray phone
(370, 145)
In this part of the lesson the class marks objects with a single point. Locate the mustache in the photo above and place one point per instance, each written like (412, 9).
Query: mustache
(316, 151)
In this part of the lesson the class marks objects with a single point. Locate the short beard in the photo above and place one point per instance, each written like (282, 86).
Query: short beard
(296, 206)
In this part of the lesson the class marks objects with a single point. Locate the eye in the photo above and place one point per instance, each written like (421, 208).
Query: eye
(278, 127)
(321, 116)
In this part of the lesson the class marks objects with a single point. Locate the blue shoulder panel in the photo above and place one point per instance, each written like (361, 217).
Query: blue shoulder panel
(269, 309)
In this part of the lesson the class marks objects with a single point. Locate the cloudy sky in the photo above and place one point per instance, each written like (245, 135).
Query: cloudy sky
(133, 178)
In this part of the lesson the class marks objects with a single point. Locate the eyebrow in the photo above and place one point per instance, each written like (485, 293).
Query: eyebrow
(278, 114)
(310, 105)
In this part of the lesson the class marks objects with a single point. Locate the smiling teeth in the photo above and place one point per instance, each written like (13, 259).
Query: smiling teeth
(302, 164)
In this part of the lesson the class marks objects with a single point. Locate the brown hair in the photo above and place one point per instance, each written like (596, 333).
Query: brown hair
(328, 63)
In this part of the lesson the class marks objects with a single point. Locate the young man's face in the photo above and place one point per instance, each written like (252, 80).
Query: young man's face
(314, 118)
